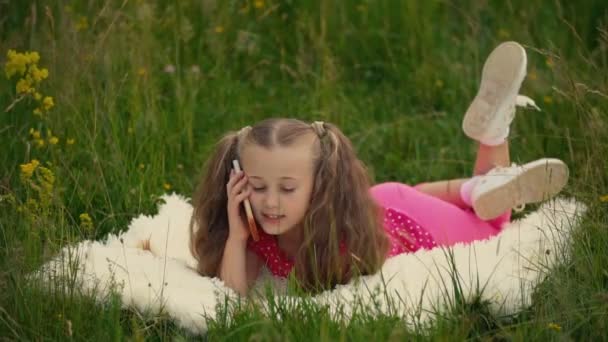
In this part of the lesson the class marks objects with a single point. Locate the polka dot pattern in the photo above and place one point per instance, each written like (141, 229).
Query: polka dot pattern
(267, 248)
(405, 235)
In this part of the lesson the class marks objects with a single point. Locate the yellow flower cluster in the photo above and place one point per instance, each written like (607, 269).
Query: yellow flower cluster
(50, 138)
(554, 326)
(27, 170)
(82, 24)
(17, 62)
(41, 180)
(25, 66)
(86, 223)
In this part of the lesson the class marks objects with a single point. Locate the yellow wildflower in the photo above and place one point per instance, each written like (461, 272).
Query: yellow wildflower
(258, 3)
(141, 71)
(39, 142)
(167, 186)
(47, 103)
(554, 326)
(141, 166)
(504, 34)
(16, 64)
(86, 223)
(32, 57)
(37, 96)
(82, 24)
(27, 170)
(604, 198)
(35, 133)
(38, 112)
(23, 86)
(439, 83)
(53, 140)
(219, 29)
(47, 181)
(70, 141)
(12, 65)
(38, 74)
(548, 99)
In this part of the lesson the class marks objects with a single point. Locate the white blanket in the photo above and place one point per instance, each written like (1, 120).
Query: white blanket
(163, 279)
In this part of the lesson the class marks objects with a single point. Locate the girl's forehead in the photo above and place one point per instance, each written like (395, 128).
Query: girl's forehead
(295, 161)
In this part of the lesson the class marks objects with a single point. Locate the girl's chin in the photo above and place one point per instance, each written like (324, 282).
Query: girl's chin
(273, 228)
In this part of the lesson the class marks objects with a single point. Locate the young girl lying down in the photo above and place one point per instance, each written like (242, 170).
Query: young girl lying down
(318, 213)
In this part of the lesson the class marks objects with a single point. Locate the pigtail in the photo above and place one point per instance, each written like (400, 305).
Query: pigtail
(209, 223)
(342, 232)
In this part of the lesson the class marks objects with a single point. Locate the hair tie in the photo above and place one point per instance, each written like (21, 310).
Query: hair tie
(319, 128)
(243, 132)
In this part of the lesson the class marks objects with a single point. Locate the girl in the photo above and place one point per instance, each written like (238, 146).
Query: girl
(321, 218)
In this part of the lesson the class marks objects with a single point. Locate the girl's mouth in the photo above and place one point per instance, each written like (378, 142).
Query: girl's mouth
(272, 218)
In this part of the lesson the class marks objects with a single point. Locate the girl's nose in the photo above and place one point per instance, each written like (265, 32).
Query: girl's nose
(271, 200)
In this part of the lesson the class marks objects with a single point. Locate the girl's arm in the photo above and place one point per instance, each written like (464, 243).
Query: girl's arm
(254, 264)
(233, 270)
(240, 267)
(237, 269)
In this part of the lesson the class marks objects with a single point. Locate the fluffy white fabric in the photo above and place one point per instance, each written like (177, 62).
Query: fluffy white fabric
(164, 279)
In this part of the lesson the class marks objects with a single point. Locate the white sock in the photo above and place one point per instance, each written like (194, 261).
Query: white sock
(467, 188)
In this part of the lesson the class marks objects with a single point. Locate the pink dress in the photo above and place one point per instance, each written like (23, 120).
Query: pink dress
(411, 219)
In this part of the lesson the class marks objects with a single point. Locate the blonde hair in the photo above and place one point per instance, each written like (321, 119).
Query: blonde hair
(341, 208)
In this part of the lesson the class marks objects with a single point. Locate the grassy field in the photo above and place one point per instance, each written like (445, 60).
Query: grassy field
(138, 91)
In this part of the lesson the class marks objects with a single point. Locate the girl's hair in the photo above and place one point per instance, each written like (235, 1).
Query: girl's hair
(341, 209)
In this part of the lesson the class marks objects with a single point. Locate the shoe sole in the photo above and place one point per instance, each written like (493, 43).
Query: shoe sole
(541, 180)
(501, 77)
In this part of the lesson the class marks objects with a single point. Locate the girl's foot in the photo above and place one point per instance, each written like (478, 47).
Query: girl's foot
(503, 188)
(489, 116)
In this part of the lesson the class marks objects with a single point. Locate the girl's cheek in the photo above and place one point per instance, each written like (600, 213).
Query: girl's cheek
(254, 200)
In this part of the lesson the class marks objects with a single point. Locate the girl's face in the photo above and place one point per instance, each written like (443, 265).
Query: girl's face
(281, 181)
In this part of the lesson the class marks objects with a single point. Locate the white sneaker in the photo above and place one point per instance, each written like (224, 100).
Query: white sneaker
(489, 116)
(503, 188)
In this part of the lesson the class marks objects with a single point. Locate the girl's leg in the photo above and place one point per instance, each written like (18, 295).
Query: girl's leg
(446, 222)
(487, 158)
(445, 190)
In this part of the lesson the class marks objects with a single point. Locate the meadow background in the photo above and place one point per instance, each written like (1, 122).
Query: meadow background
(136, 92)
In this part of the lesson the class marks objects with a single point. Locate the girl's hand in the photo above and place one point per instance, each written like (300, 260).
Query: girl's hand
(237, 191)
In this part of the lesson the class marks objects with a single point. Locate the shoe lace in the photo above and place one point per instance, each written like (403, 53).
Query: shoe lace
(519, 101)
(525, 102)
(519, 208)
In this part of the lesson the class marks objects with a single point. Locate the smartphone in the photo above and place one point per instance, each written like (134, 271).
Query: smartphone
(253, 229)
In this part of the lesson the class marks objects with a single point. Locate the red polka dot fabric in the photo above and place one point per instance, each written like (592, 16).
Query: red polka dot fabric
(405, 235)
(277, 261)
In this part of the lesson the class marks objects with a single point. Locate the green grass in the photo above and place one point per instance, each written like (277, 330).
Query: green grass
(396, 76)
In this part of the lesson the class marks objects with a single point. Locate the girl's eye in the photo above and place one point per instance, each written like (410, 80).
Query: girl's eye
(260, 189)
